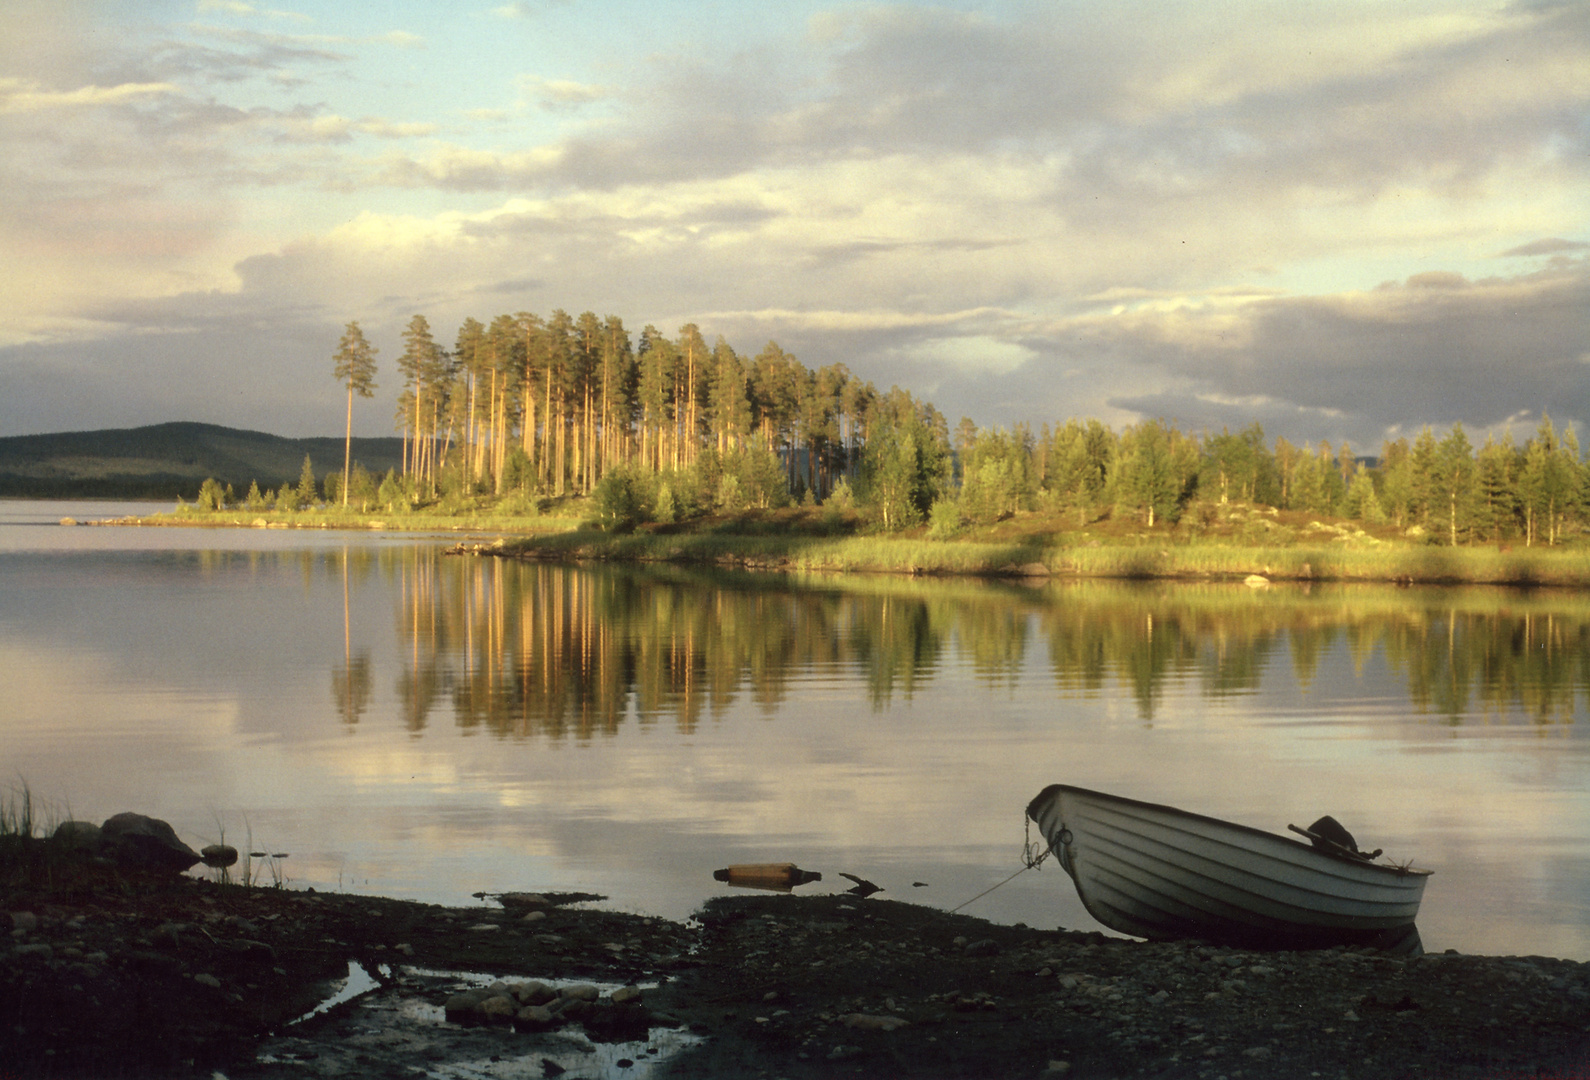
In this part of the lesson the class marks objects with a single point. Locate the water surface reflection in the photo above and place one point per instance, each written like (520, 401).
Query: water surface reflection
(528, 649)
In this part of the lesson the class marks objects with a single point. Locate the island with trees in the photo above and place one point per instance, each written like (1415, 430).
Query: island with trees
(603, 444)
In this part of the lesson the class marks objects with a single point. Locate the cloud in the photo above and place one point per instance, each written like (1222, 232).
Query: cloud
(20, 95)
(1361, 365)
(331, 128)
(522, 9)
(402, 39)
(1551, 246)
(559, 93)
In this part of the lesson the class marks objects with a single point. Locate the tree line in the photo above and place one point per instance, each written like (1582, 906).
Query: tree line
(1442, 489)
(666, 427)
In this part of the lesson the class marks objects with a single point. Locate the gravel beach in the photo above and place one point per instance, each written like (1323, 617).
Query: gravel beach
(104, 974)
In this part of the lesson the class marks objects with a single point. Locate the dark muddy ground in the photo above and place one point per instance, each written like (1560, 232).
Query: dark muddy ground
(107, 975)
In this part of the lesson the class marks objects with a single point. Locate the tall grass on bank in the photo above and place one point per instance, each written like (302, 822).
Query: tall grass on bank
(24, 832)
(882, 554)
(1408, 565)
(18, 821)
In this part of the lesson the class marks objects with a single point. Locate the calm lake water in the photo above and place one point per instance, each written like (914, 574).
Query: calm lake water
(412, 724)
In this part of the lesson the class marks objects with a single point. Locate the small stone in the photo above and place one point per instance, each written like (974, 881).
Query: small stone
(580, 992)
(1350, 1016)
(1068, 982)
(534, 993)
(40, 950)
(866, 1022)
(461, 1006)
(1057, 1068)
(1257, 1053)
(485, 927)
(840, 1053)
(24, 921)
(537, 1016)
(534, 916)
(500, 1007)
(218, 855)
(625, 994)
(984, 947)
(522, 901)
(208, 980)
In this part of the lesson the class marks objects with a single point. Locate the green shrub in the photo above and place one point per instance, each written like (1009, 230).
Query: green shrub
(623, 500)
(944, 519)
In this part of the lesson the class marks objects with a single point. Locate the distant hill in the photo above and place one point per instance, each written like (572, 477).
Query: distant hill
(168, 460)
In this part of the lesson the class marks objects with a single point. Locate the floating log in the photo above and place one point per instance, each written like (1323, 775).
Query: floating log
(777, 877)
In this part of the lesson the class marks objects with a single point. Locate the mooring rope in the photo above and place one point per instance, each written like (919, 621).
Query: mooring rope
(1029, 861)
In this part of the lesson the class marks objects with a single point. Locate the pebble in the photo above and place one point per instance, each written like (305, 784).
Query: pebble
(534, 993)
(499, 1007)
(208, 980)
(867, 1022)
(536, 1016)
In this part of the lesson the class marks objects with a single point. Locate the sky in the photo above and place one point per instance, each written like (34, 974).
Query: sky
(1343, 220)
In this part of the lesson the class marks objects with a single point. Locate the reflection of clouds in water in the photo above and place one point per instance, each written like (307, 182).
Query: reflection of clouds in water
(627, 732)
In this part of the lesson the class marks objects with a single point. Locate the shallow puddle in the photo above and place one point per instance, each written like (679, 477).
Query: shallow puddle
(395, 1026)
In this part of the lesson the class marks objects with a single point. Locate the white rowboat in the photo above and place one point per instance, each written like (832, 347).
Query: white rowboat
(1157, 872)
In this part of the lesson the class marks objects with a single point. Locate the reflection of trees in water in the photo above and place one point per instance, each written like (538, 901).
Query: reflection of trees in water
(1490, 662)
(529, 649)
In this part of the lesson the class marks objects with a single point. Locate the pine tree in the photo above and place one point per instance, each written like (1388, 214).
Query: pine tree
(355, 368)
(306, 494)
(1454, 480)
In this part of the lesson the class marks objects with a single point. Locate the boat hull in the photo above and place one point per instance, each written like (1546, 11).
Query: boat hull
(1157, 872)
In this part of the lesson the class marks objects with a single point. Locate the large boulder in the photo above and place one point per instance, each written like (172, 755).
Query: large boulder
(77, 836)
(145, 843)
